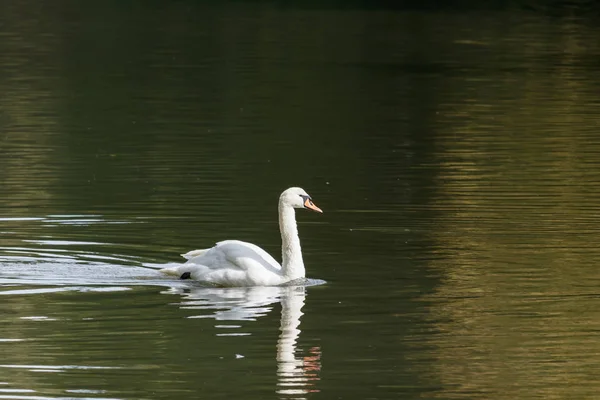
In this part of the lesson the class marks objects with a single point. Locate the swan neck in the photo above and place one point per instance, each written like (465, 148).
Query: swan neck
(292, 263)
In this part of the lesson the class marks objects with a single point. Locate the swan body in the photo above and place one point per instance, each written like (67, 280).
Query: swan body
(236, 263)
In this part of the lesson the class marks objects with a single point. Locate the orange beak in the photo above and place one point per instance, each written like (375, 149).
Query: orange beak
(311, 206)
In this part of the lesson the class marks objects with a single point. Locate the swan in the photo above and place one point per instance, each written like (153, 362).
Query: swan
(235, 263)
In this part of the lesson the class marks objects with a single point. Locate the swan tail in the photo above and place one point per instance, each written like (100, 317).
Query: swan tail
(194, 253)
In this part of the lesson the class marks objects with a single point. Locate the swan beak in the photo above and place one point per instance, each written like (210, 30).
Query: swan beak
(311, 206)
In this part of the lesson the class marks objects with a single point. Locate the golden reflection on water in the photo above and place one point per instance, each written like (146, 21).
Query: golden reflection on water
(517, 313)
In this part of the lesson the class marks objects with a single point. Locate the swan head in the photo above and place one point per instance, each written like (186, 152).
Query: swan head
(298, 198)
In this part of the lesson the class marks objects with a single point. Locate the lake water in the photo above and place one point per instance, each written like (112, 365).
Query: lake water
(455, 153)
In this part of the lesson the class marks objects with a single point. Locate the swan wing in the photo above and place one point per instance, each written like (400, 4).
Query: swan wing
(231, 263)
(194, 253)
(245, 255)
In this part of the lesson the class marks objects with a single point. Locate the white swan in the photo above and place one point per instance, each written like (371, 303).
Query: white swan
(237, 263)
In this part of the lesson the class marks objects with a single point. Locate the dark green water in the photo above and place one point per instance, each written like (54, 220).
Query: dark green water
(455, 153)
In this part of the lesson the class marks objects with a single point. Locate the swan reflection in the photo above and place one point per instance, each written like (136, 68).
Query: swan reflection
(297, 370)
(295, 374)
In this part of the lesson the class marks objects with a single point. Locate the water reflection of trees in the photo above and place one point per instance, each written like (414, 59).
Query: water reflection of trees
(513, 234)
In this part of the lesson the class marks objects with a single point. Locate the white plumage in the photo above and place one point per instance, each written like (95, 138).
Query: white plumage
(237, 263)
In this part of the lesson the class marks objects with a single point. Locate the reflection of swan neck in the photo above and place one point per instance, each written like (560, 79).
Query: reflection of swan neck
(291, 252)
(294, 378)
(291, 311)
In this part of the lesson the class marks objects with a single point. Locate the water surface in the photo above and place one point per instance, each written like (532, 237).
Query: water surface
(454, 153)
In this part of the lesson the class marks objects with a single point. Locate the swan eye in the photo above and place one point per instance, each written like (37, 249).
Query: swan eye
(306, 201)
